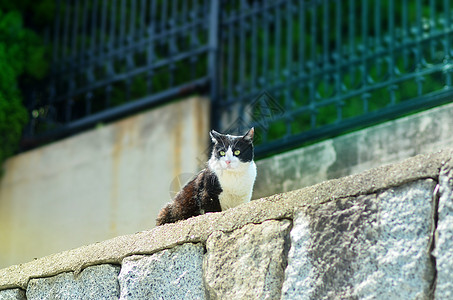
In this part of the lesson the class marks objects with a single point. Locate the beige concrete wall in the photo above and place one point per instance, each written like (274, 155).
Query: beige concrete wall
(99, 184)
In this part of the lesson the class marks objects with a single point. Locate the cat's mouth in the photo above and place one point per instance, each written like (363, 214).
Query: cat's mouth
(230, 167)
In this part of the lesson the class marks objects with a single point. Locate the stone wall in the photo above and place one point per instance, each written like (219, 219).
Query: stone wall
(386, 233)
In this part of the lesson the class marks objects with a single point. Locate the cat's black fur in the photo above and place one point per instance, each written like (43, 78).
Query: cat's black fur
(244, 145)
(201, 194)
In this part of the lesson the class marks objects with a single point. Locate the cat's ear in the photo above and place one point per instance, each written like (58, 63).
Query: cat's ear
(249, 135)
(215, 136)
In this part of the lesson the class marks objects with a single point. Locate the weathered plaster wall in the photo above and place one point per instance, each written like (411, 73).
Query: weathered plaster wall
(102, 183)
(382, 234)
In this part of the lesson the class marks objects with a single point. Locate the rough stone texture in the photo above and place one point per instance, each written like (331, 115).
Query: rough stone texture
(389, 142)
(12, 294)
(170, 274)
(198, 229)
(97, 282)
(324, 244)
(443, 250)
(248, 263)
(370, 247)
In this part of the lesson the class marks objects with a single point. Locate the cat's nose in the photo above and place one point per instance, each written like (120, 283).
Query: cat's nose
(227, 162)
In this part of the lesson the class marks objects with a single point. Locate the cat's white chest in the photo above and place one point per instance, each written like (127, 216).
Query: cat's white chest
(237, 186)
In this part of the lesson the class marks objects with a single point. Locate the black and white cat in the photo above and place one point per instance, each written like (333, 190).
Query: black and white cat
(225, 183)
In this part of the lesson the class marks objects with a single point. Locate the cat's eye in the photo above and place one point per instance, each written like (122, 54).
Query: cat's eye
(222, 153)
(237, 152)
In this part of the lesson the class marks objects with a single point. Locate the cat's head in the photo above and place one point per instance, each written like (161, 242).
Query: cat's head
(231, 152)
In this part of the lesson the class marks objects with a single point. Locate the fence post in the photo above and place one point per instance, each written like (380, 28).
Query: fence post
(213, 66)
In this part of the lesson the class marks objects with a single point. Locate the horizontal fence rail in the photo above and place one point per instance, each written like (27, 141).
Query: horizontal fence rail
(298, 71)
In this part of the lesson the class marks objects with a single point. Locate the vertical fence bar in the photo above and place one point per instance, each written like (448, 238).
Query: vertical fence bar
(103, 49)
(378, 34)
(163, 15)
(289, 59)
(406, 33)
(302, 37)
(172, 42)
(432, 29)
(110, 54)
(132, 19)
(419, 51)
(391, 59)
(254, 50)
(338, 57)
(242, 31)
(56, 34)
(94, 25)
(73, 63)
(142, 18)
(122, 30)
(277, 44)
(130, 53)
(55, 52)
(364, 54)
(84, 33)
(194, 42)
(213, 65)
(66, 47)
(325, 33)
(313, 66)
(113, 31)
(230, 64)
(447, 37)
(264, 78)
(325, 45)
(351, 30)
(265, 47)
(150, 57)
(103, 31)
(241, 86)
(351, 48)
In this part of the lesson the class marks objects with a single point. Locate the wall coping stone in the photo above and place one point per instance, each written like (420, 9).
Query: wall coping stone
(198, 229)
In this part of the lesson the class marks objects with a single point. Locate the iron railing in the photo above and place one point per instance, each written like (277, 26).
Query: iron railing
(297, 70)
(111, 58)
(329, 66)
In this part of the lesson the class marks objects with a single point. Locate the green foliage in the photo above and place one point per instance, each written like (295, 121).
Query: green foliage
(21, 54)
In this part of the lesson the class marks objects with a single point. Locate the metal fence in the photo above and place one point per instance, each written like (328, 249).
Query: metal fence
(299, 71)
(330, 66)
(111, 58)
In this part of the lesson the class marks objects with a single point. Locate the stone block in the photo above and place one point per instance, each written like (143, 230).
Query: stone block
(444, 242)
(96, 282)
(367, 247)
(12, 294)
(248, 263)
(169, 274)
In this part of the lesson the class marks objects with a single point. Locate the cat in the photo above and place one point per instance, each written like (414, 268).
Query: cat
(226, 182)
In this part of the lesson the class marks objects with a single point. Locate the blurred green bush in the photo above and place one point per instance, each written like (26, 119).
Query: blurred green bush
(22, 56)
